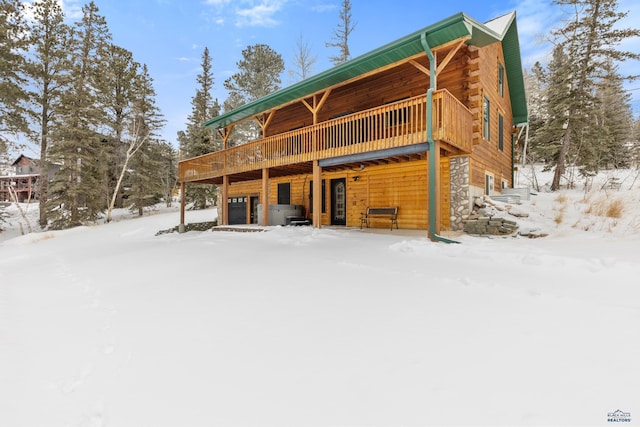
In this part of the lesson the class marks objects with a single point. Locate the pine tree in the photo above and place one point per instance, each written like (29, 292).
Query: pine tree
(615, 120)
(13, 96)
(143, 156)
(77, 194)
(197, 140)
(534, 81)
(118, 81)
(169, 159)
(341, 34)
(589, 40)
(48, 71)
(545, 141)
(635, 144)
(258, 75)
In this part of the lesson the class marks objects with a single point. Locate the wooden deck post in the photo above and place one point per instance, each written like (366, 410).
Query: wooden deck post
(183, 200)
(224, 201)
(317, 194)
(265, 197)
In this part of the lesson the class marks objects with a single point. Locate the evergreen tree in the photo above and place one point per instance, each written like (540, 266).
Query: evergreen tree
(169, 168)
(534, 82)
(635, 144)
(118, 79)
(258, 75)
(197, 140)
(614, 120)
(589, 40)
(341, 35)
(77, 194)
(13, 96)
(143, 155)
(545, 140)
(48, 71)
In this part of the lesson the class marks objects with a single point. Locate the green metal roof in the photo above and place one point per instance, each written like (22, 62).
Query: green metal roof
(440, 33)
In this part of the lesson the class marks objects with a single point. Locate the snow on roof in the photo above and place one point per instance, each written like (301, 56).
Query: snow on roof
(500, 24)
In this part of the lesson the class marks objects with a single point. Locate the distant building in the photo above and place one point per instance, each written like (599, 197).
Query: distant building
(23, 178)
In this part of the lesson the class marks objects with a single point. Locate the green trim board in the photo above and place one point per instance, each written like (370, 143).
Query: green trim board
(502, 29)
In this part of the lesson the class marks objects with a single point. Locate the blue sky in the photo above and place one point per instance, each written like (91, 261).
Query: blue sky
(170, 35)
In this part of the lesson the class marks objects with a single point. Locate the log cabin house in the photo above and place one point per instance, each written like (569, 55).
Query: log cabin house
(424, 124)
(22, 182)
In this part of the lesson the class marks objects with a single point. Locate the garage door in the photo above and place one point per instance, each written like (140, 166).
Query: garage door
(237, 210)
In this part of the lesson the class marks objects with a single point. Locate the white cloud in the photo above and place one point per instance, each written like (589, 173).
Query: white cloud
(259, 14)
(217, 2)
(72, 9)
(246, 13)
(324, 7)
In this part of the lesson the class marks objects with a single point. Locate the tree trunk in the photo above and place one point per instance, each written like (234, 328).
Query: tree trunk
(562, 158)
(44, 170)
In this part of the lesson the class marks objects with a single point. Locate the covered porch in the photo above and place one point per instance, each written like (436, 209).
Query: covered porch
(390, 133)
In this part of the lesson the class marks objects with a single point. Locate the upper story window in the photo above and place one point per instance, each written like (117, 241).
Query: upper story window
(486, 119)
(500, 132)
(500, 79)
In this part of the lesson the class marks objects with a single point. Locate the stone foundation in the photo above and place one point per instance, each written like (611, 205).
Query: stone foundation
(460, 195)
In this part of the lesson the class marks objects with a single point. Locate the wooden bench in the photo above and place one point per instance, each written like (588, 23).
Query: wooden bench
(391, 213)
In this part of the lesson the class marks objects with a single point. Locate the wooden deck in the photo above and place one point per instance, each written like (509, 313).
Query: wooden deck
(398, 124)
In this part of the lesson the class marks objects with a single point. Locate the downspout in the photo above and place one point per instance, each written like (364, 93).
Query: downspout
(432, 146)
(513, 160)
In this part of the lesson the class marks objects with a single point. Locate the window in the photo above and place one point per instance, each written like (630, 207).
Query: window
(284, 193)
(500, 132)
(488, 184)
(500, 79)
(486, 119)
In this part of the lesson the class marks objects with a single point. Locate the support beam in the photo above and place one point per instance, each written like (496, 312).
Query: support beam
(183, 200)
(264, 199)
(225, 200)
(317, 194)
(317, 106)
(265, 122)
(225, 133)
(450, 55)
(420, 67)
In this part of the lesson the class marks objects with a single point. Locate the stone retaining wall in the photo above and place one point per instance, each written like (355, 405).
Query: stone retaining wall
(490, 226)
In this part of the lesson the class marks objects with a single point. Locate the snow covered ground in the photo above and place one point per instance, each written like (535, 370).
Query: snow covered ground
(111, 325)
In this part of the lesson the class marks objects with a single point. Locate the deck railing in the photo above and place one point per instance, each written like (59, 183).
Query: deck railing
(393, 125)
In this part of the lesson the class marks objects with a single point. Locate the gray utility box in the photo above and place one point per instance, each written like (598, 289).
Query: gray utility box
(278, 213)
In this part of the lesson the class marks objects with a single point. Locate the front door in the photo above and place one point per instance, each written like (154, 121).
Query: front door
(253, 209)
(339, 201)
